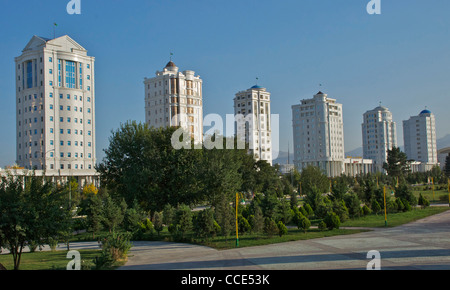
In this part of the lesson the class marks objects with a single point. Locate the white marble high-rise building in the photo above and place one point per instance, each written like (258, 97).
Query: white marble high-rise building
(174, 98)
(55, 106)
(318, 131)
(255, 125)
(379, 135)
(419, 135)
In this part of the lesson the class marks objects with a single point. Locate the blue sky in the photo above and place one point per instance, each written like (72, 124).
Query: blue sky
(400, 58)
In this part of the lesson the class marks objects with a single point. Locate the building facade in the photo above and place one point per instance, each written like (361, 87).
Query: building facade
(175, 99)
(318, 131)
(379, 135)
(253, 121)
(419, 135)
(55, 106)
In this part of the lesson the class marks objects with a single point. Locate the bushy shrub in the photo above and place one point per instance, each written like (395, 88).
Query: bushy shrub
(243, 224)
(332, 221)
(270, 227)
(322, 226)
(366, 210)
(305, 224)
(423, 201)
(114, 247)
(376, 208)
(282, 229)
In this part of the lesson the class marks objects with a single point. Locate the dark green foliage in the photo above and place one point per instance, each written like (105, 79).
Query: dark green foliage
(157, 222)
(397, 163)
(304, 224)
(404, 192)
(322, 226)
(270, 227)
(243, 225)
(376, 208)
(314, 180)
(282, 229)
(423, 201)
(32, 210)
(332, 221)
(366, 210)
(256, 220)
(353, 205)
(204, 224)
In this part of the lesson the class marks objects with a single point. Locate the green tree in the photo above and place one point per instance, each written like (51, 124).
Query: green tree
(423, 201)
(157, 222)
(376, 207)
(397, 163)
(32, 210)
(270, 227)
(94, 214)
(312, 180)
(305, 224)
(332, 221)
(224, 216)
(282, 229)
(204, 224)
(113, 213)
(141, 164)
(168, 214)
(243, 225)
(184, 219)
(257, 220)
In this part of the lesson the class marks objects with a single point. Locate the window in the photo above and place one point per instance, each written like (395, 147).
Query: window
(29, 74)
(50, 59)
(61, 119)
(61, 143)
(51, 95)
(61, 155)
(68, 96)
(68, 108)
(61, 107)
(70, 75)
(50, 71)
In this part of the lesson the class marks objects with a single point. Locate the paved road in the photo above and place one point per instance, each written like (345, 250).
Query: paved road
(424, 244)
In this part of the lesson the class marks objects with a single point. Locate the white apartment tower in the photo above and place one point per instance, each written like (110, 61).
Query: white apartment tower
(253, 105)
(379, 135)
(174, 98)
(419, 135)
(318, 131)
(55, 106)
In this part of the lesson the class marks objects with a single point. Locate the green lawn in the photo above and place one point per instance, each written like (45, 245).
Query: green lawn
(47, 260)
(439, 196)
(394, 219)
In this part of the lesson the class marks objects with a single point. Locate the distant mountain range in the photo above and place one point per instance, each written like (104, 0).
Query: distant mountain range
(358, 152)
